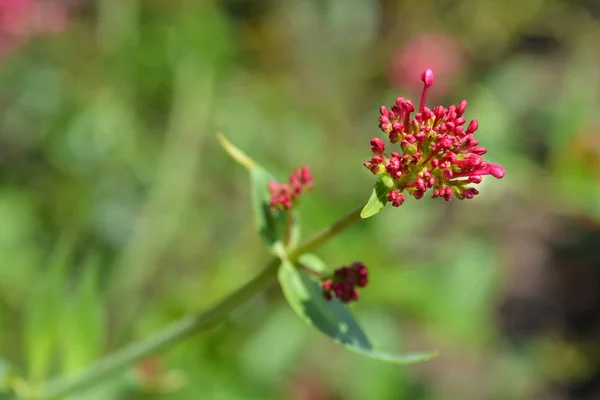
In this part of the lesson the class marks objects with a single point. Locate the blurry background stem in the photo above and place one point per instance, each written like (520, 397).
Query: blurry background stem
(189, 324)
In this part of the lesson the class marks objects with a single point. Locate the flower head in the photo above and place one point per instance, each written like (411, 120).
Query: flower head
(284, 195)
(434, 150)
(344, 281)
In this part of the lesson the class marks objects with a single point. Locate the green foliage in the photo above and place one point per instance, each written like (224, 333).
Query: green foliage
(303, 293)
(378, 198)
(45, 312)
(83, 320)
(107, 130)
(271, 224)
(333, 318)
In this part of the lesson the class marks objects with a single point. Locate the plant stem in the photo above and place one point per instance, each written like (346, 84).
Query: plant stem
(289, 226)
(321, 237)
(188, 324)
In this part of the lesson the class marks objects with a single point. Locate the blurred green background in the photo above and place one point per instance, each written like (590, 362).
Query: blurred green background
(120, 213)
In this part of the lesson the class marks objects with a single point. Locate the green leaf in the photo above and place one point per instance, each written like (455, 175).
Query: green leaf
(7, 376)
(378, 198)
(83, 320)
(270, 224)
(45, 308)
(305, 296)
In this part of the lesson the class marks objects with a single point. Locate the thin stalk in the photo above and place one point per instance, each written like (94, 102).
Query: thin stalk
(289, 226)
(321, 237)
(187, 325)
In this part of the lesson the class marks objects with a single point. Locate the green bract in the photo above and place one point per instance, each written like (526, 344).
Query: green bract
(378, 198)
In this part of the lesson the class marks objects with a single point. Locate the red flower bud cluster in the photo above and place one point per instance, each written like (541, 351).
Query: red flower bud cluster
(344, 281)
(436, 150)
(283, 195)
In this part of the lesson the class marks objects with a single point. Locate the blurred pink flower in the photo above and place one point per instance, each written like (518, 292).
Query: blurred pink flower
(439, 52)
(22, 19)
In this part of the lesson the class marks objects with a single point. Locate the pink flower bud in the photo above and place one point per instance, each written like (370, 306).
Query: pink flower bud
(469, 193)
(478, 150)
(408, 106)
(439, 111)
(496, 171)
(396, 198)
(377, 146)
(459, 121)
(475, 179)
(427, 77)
(473, 125)
(462, 106)
(283, 195)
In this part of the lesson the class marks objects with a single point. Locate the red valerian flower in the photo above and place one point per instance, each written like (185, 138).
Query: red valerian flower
(344, 281)
(283, 195)
(434, 150)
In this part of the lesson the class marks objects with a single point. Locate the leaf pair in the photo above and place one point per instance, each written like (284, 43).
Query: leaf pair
(302, 291)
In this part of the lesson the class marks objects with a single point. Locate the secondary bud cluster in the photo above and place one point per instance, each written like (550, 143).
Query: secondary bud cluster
(436, 149)
(284, 195)
(344, 282)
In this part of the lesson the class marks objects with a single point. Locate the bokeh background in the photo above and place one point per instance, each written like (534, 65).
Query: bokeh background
(120, 213)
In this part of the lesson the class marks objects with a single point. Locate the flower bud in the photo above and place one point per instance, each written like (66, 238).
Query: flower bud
(473, 125)
(462, 106)
(377, 146)
(427, 77)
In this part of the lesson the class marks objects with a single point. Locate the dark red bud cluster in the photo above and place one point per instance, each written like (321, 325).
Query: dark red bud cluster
(344, 282)
(283, 195)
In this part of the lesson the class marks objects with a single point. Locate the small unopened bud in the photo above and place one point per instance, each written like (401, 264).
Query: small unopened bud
(377, 146)
(475, 179)
(396, 198)
(427, 77)
(469, 193)
(496, 171)
(462, 106)
(473, 125)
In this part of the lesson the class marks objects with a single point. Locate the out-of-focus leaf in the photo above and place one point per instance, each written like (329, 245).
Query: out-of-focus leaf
(45, 310)
(7, 376)
(305, 296)
(283, 334)
(270, 223)
(573, 139)
(378, 199)
(82, 330)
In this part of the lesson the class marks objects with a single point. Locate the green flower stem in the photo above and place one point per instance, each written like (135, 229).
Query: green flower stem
(334, 229)
(289, 225)
(187, 325)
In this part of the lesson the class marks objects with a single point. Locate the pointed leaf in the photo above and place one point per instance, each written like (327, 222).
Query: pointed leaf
(270, 223)
(45, 308)
(378, 198)
(83, 320)
(305, 296)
